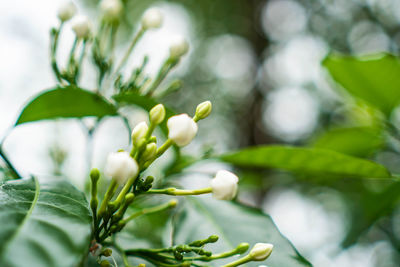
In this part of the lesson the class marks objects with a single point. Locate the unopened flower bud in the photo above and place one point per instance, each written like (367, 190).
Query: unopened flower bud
(261, 251)
(94, 175)
(120, 166)
(139, 132)
(152, 19)
(81, 26)
(242, 248)
(157, 114)
(203, 110)
(150, 152)
(172, 203)
(181, 129)
(111, 9)
(179, 47)
(66, 11)
(224, 185)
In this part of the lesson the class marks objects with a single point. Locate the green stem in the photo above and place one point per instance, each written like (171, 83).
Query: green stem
(149, 211)
(162, 73)
(53, 54)
(118, 201)
(240, 261)
(109, 194)
(125, 58)
(180, 192)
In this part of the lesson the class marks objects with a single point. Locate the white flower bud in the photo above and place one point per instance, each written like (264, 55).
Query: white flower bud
(111, 9)
(224, 185)
(66, 11)
(157, 114)
(261, 251)
(181, 129)
(152, 19)
(81, 26)
(139, 132)
(179, 47)
(203, 110)
(121, 166)
(150, 152)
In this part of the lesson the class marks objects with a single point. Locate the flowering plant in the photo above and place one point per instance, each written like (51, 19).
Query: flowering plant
(135, 210)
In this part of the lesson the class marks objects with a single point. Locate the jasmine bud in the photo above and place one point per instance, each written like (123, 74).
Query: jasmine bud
(224, 185)
(150, 152)
(152, 19)
(120, 166)
(261, 251)
(157, 114)
(111, 9)
(181, 129)
(81, 26)
(139, 132)
(178, 48)
(242, 248)
(203, 110)
(66, 11)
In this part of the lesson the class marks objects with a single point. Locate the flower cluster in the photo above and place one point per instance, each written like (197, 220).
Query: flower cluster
(127, 169)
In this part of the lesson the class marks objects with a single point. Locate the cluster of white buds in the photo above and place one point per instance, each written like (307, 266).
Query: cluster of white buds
(111, 9)
(261, 251)
(66, 11)
(81, 26)
(152, 19)
(224, 185)
(181, 129)
(120, 166)
(179, 47)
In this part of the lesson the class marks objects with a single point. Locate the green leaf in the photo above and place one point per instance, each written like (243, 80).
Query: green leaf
(145, 103)
(369, 209)
(69, 102)
(306, 160)
(356, 141)
(234, 224)
(46, 224)
(374, 79)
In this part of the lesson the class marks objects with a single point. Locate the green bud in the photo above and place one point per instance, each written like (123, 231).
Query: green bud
(213, 239)
(104, 263)
(149, 180)
(150, 152)
(139, 132)
(129, 198)
(242, 248)
(203, 110)
(152, 139)
(94, 175)
(173, 203)
(107, 252)
(157, 114)
(178, 255)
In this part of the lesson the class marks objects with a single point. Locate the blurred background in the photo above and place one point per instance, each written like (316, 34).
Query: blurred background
(259, 62)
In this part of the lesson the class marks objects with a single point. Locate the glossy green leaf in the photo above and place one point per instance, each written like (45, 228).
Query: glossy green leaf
(355, 141)
(144, 102)
(69, 102)
(43, 225)
(234, 224)
(306, 160)
(374, 79)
